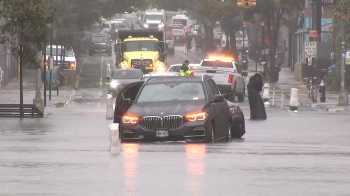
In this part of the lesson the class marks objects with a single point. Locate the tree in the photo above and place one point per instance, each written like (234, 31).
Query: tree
(26, 25)
(273, 13)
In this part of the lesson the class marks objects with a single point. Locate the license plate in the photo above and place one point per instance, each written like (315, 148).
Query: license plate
(162, 133)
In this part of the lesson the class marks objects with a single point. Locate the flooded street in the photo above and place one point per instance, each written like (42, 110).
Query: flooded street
(67, 153)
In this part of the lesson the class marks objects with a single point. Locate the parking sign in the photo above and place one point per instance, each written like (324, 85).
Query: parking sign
(310, 49)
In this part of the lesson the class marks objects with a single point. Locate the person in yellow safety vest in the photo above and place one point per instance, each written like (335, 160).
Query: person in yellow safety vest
(185, 69)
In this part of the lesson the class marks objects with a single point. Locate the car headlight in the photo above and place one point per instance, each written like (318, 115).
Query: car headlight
(129, 119)
(114, 84)
(161, 25)
(145, 25)
(197, 117)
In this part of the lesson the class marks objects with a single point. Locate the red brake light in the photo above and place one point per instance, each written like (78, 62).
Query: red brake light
(192, 74)
(184, 37)
(172, 37)
(230, 78)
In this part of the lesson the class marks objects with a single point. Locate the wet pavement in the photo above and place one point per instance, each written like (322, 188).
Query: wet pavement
(67, 153)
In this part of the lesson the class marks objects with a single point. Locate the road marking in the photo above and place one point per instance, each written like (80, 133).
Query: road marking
(101, 72)
(187, 56)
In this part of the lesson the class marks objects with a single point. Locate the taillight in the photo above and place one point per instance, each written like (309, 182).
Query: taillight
(192, 74)
(172, 37)
(184, 37)
(230, 78)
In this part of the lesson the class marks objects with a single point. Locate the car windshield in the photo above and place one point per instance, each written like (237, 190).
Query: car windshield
(59, 51)
(127, 74)
(180, 21)
(131, 46)
(217, 64)
(154, 17)
(177, 31)
(99, 39)
(185, 91)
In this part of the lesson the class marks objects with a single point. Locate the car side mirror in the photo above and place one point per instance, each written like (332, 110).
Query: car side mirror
(218, 98)
(244, 73)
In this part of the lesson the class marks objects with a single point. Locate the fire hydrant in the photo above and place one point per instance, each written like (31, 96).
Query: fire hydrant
(322, 91)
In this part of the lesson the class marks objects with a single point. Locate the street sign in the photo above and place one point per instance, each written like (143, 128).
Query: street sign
(313, 33)
(310, 49)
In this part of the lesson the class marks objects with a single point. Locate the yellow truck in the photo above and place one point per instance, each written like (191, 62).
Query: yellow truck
(141, 49)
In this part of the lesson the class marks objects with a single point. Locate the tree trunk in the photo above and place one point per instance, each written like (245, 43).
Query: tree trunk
(209, 38)
(277, 24)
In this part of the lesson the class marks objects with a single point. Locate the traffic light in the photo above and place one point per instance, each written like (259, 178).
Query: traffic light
(246, 3)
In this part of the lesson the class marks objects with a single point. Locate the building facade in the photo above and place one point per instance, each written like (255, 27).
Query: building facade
(8, 62)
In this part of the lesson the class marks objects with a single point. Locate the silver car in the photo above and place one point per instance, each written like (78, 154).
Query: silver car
(171, 43)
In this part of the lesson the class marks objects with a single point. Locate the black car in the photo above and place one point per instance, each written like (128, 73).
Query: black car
(176, 109)
(179, 36)
(121, 77)
(100, 43)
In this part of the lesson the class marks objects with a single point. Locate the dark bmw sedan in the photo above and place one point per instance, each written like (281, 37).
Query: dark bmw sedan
(121, 77)
(173, 109)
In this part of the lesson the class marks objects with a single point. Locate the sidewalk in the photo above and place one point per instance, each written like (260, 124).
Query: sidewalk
(10, 93)
(286, 83)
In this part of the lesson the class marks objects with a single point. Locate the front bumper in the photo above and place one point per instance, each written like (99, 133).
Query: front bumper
(189, 131)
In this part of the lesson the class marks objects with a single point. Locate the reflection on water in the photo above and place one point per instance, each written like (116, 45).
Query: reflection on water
(195, 154)
(130, 153)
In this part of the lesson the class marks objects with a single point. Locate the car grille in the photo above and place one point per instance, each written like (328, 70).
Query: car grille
(100, 46)
(156, 122)
(153, 25)
(141, 63)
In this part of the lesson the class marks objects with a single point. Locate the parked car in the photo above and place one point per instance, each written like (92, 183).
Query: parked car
(187, 109)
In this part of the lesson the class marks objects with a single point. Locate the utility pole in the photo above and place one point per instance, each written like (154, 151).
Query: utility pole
(21, 74)
(343, 94)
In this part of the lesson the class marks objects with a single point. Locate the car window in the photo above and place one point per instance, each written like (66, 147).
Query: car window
(127, 74)
(131, 46)
(99, 39)
(175, 68)
(224, 64)
(184, 91)
(178, 31)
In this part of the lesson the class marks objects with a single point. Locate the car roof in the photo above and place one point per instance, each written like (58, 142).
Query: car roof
(156, 80)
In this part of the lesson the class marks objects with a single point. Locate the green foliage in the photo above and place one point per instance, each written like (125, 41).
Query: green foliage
(26, 23)
(75, 16)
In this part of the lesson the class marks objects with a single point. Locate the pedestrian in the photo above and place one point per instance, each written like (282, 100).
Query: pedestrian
(257, 108)
(185, 69)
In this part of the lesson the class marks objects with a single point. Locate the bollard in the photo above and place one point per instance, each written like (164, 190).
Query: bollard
(294, 100)
(114, 138)
(282, 100)
(109, 107)
(266, 94)
(322, 92)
